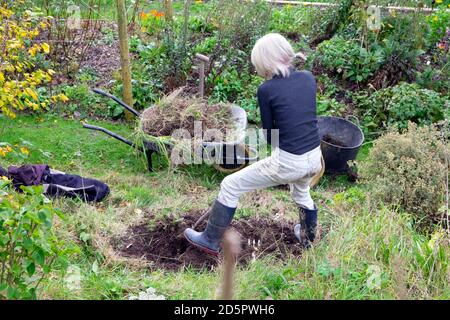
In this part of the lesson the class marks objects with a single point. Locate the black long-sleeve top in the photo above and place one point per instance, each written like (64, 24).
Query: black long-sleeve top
(289, 105)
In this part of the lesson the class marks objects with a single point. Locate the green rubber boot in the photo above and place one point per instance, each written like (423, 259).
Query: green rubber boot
(209, 240)
(306, 230)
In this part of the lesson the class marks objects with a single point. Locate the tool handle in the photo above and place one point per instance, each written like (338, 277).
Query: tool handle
(110, 133)
(123, 104)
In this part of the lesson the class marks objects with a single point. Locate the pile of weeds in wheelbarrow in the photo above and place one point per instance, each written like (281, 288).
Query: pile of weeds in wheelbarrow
(162, 243)
(180, 111)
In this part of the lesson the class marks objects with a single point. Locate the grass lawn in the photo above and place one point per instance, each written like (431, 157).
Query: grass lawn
(359, 244)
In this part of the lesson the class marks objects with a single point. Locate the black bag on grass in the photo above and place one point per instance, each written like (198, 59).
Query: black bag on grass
(73, 186)
(3, 172)
(57, 183)
(28, 175)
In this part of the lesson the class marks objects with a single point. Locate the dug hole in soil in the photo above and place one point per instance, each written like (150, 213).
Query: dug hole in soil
(162, 242)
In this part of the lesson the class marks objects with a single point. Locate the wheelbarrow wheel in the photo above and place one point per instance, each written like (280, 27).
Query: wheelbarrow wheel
(234, 167)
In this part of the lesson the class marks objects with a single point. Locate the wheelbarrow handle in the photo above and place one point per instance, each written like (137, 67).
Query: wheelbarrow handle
(148, 145)
(123, 104)
(148, 148)
(109, 133)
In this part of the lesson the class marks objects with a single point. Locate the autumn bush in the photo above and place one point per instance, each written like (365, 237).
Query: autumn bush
(20, 72)
(410, 170)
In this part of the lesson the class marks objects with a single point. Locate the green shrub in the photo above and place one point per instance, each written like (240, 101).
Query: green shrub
(247, 99)
(436, 74)
(326, 97)
(206, 46)
(200, 24)
(329, 106)
(29, 248)
(434, 78)
(226, 86)
(326, 22)
(241, 23)
(400, 104)
(409, 170)
(230, 86)
(164, 63)
(402, 41)
(83, 101)
(438, 23)
(348, 59)
(289, 20)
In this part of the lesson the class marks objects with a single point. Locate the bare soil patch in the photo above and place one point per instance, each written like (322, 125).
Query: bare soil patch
(162, 243)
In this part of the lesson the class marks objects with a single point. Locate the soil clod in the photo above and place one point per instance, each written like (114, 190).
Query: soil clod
(334, 141)
(162, 243)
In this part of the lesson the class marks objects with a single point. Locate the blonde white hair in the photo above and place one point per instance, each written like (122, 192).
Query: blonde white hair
(272, 55)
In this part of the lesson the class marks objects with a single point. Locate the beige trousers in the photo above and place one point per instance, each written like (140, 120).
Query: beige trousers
(280, 168)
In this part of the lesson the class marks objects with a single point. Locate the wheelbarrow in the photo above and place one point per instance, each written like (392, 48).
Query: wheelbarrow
(232, 156)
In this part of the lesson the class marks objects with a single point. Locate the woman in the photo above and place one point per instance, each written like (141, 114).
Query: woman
(287, 102)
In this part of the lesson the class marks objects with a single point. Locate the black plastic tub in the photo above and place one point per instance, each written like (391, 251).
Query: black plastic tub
(341, 140)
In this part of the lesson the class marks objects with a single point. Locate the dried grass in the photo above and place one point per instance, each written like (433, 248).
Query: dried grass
(180, 111)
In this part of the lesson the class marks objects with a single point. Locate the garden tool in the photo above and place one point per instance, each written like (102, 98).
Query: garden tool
(201, 71)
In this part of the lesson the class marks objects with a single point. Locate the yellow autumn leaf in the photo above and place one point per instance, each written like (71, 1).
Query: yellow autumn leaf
(63, 97)
(32, 51)
(30, 92)
(10, 68)
(45, 47)
(25, 150)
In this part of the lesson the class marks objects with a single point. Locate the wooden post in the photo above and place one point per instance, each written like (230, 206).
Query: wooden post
(124, 56)
(201, 71)
(168, 10)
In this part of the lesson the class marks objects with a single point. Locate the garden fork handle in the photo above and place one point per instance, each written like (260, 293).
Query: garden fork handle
(203, 60)
(123, 104)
